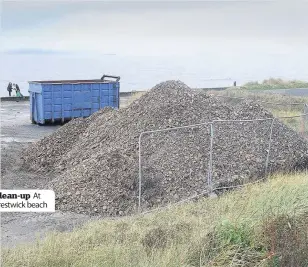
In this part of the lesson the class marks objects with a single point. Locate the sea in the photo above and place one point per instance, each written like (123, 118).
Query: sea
(143, 72)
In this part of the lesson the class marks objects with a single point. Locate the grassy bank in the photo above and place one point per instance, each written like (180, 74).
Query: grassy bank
(264, 224)
(279, 105)
(273, 83)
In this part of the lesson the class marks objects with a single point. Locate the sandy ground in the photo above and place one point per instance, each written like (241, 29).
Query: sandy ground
(16, 133)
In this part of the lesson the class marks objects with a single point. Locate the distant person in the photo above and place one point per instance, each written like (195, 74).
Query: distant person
(234, 84)
(10, 88)
(18, 93)
(14, 88)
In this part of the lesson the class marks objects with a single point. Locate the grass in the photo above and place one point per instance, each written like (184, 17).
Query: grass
(273, 83)
(263, 224)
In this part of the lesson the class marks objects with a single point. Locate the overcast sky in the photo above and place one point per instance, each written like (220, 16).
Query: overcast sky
(151, 40)
(152, 27)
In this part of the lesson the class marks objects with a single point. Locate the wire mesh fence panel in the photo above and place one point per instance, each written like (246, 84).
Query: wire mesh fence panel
(296, 123)
(174, 165)
(240, 150)
(290, 114)
(288, 148)
(281, 108)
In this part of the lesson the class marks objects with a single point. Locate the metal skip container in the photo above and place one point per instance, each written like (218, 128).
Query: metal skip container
(52, 101)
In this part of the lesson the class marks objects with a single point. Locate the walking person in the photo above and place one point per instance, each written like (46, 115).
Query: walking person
(10, 88)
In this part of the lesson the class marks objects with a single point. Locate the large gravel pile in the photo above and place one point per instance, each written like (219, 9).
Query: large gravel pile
(99, 166)
(45, 154)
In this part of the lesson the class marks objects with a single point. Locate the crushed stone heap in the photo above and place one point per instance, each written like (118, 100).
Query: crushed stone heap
(96, 159)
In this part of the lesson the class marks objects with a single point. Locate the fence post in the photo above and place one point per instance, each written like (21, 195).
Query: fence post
(305, 120)
(269, 148)
(140, 174)
(210, 167)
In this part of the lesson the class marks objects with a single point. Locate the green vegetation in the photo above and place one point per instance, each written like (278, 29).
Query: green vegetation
(263, 224)
(273, 83)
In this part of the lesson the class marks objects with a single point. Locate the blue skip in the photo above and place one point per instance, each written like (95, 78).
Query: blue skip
(52, 101)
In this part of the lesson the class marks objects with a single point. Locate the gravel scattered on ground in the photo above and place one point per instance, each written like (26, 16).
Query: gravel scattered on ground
(97, 158)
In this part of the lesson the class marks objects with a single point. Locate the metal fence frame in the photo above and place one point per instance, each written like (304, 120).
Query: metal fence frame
(210, 165)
